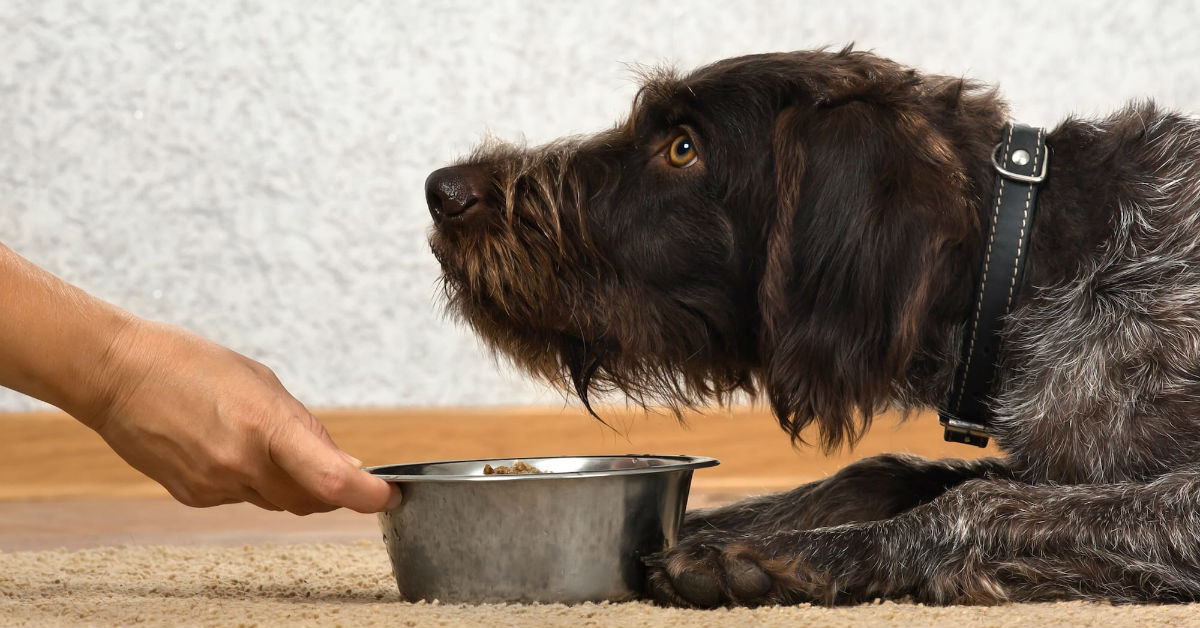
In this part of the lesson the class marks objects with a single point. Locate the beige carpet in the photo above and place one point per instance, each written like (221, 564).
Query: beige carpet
(350, 585)
(61, 487)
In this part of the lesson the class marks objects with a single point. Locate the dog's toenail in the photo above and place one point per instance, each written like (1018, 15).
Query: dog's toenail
(654, 560)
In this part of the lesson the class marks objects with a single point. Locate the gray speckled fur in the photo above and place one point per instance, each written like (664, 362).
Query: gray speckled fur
(1099, 413)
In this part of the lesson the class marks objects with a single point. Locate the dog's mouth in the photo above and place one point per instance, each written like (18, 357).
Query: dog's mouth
(507, 270)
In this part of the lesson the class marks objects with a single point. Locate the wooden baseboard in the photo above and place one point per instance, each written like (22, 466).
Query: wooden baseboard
(48, 455)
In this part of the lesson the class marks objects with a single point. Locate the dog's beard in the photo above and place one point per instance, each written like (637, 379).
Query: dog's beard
(538, 289)
(521, 280)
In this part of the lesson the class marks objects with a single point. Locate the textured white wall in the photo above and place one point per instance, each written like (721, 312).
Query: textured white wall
(253, 171)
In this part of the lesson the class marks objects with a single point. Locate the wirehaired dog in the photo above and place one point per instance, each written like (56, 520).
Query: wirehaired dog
(811, 226)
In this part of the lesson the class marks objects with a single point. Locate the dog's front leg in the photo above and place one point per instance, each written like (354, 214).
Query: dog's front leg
(879, 487)
(871, 489)
(985, 541)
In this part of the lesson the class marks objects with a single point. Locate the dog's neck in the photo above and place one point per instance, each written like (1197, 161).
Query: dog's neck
(973, 124)
(1060, 241)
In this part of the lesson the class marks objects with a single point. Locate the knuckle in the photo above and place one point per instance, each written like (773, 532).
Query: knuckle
(264, 372)
(184, 497)
(193, 497)
(331, 484)
(310, 508)
(221, 460)
(228, 463)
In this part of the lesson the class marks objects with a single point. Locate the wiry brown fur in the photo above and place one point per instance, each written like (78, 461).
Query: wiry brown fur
(823, 250)
(556, 279)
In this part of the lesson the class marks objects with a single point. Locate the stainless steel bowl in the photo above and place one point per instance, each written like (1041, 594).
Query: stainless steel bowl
(575, 533)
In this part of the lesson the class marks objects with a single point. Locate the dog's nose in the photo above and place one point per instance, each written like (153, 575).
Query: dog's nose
(454, 191)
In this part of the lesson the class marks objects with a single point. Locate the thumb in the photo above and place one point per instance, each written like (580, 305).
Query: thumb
(327, 473)
(315, 426)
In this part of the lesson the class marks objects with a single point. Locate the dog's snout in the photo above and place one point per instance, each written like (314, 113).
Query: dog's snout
(452, 192)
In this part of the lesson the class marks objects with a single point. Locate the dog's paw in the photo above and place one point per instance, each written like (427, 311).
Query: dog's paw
(707, 574)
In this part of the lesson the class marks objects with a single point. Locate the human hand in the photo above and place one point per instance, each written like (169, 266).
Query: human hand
(214, 427)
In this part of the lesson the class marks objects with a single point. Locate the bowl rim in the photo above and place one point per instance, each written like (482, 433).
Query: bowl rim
(681, 463)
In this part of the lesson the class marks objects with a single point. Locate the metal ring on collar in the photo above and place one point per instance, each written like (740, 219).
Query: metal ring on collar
(1038, 178)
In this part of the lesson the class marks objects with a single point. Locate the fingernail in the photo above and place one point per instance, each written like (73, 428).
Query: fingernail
(354, 461)
(395, 500)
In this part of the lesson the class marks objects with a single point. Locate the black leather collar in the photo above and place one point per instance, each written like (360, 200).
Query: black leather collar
(1020, 160)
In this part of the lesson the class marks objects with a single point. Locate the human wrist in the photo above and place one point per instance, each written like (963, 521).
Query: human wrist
(115, 367)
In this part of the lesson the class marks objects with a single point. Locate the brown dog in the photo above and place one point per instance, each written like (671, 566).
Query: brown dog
(811, 225)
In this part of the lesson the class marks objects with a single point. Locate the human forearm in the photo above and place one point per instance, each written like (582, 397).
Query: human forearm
(210, 425)
(56, 340)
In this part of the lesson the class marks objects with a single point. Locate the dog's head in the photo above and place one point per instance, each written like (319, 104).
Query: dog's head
(785, 222)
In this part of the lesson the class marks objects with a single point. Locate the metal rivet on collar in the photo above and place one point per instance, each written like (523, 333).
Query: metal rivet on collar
(1021, 157)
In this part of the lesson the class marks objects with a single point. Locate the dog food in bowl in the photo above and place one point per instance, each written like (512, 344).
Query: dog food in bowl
(519, 467)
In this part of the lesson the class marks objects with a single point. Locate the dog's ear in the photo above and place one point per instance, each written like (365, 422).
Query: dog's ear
(870, 198)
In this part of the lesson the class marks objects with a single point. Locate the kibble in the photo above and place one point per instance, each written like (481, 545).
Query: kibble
(519, 467)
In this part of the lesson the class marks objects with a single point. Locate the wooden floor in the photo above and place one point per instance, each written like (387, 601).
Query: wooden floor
(61, 486)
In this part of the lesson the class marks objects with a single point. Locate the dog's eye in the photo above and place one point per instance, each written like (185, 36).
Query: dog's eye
(682, 152)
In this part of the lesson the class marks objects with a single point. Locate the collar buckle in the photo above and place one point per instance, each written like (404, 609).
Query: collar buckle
(965, 432)
(1023, 178)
